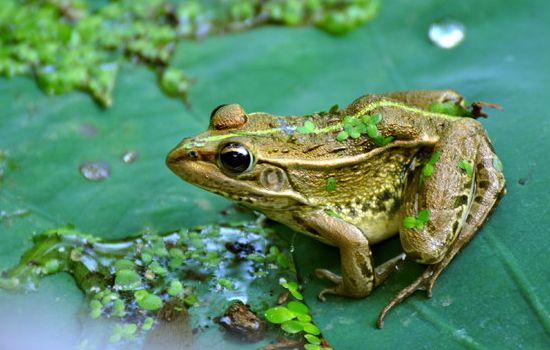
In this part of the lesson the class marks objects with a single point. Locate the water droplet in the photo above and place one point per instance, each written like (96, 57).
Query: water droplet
(95, 171)
(447, 33)
(130, 156)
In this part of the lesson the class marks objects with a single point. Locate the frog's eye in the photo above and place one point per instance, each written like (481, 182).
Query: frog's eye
(235, 158)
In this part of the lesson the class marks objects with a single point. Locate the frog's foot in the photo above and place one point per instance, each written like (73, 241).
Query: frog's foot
(384, 270)
(332, 277)
(425, 282)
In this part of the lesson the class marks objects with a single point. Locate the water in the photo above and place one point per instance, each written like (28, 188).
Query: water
(130, 156)
(447, 33)
(95, 171)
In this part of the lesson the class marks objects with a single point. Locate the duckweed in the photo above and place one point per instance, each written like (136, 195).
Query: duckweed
(176, 288)
(118, 276)
(127, 279)
(279, 314)
(292, 287)
(428, 168)
(417, 222)
(449, 108)
(312, 339)
(294, 318)
(147, 323)
(355, 127)
(467, 167)
(148, 301)
(331, 184)
(65, 45)
(307, 128)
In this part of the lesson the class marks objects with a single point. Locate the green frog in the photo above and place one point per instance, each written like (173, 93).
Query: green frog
(413, 163)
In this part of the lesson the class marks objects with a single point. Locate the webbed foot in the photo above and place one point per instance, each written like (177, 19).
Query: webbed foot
(424, 282)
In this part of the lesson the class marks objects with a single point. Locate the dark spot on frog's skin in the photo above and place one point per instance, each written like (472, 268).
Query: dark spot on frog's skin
(366, 271)
(354, 283)
(480, 167)
(381, 207)
(461, 200)
(469, 219)
(483, 184)
(385, 196)
(478, 199)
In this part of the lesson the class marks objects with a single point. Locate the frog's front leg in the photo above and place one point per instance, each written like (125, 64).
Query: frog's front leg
(458, 198)
(359, 276)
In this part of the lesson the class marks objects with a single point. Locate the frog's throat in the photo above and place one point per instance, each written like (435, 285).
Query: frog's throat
(338, 126)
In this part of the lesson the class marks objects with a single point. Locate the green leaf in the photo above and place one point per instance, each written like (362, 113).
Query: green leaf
(127, 279)
(312, 339)
(176, 288)
(423, 216)
(297, 307)
(449, 108)
(312, 347)
(434, 158)
(292, 326)
(331, 184)
(311, 328)
(149, 302)
(375, 118)
(293, 289)
(467, 167)
(409, 222)
(427, 170)
(279, 314)
(147, 324)
(124, 264)
(372, 131)
(307, 128)
(342, 135)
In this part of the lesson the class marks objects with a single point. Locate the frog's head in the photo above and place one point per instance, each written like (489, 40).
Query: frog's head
(232, 158)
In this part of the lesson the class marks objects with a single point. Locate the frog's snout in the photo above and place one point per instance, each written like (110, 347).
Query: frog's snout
(180, 155)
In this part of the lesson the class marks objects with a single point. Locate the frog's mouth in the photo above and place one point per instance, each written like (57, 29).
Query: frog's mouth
(200, 169)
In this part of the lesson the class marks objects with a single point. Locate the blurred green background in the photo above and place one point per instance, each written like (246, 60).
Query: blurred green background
(494, 295)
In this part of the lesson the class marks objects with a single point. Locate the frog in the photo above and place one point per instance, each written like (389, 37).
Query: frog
(417, 164)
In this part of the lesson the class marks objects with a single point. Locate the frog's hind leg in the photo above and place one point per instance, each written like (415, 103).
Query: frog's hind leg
(425, 98)
(459, 203)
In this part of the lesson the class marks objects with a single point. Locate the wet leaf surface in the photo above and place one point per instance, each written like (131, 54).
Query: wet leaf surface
(494, 295)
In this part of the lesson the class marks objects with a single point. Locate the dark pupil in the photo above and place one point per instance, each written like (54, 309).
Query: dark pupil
(235, 158)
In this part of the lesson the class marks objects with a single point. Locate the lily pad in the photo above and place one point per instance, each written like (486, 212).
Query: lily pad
(495, 293)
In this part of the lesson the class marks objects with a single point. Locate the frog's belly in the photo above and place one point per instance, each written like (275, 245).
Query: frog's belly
(379, 230)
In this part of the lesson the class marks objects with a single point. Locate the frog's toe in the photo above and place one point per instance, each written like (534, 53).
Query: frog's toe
(328, 275)
(336, 290)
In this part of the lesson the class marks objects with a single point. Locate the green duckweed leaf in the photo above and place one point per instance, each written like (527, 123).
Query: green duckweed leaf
(279, 314)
